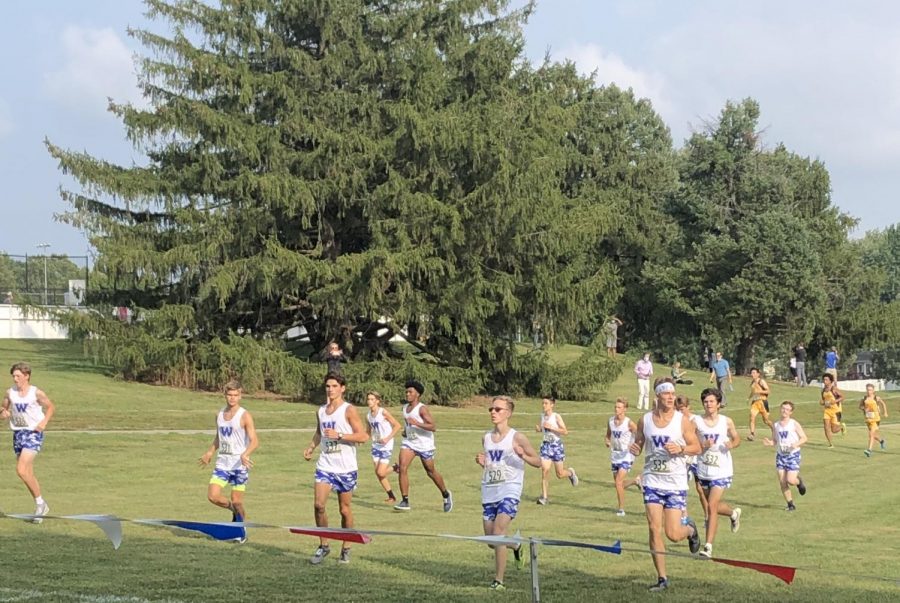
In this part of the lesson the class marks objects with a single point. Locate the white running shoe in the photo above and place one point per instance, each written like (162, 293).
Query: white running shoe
(736, 520)
(41, 510)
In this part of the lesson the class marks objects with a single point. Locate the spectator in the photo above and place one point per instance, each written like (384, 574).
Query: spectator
(9, 298)
(721, 370)
(678, 374)
(831, 361)
(800, 357)
(643, 368)
(334, 356)
(612, 335)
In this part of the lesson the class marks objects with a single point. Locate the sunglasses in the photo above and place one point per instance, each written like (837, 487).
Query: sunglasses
(496, 409)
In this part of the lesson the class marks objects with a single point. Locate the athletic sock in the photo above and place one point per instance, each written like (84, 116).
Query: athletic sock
(39, 500)
(406, 498)
(390, 493)
(445, 493)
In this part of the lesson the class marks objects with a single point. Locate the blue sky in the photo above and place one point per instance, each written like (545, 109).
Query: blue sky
(826, 73)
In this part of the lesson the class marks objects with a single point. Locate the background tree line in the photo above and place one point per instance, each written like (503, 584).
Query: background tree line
(360, 169)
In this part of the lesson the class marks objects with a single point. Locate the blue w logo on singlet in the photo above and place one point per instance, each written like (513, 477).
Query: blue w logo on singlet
(617, 434)
(21, 407)
(712, 437)
(495, 455)
(328, 424)
(374, 425)
(660, 441)
(783, 435)
(226, 431)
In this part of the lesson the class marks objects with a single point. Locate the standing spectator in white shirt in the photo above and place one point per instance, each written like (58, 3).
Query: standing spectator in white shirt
(644, 370)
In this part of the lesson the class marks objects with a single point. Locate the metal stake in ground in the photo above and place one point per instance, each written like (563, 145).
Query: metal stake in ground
(535, 580)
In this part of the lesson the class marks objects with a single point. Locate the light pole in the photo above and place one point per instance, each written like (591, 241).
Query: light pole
(44, 246)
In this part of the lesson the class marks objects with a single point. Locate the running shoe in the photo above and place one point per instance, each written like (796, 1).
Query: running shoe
(403, 505)
(693, 539)
(40, 510)
(831, 446)
(542, 500)
(706, 551)
(390, 500)
(801, 487)
(751, 437)
(448, 502)
(843, 429)
(620, 513)
(345, 556)
(661, 585)
(573, 477)
(867, 452)
(790, 507)
(497, 585)
(320, 555)
(520, 559)
(883, 447)
(736, 520)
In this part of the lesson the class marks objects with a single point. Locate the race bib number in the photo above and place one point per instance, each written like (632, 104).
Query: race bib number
(20, 421)
(225, 448)
(660, 464)
(411, 435)
(870, 414)
(617, 446)
(786, 449)
(710, 459)
(548, 437)
(332, 447)
(494, 474)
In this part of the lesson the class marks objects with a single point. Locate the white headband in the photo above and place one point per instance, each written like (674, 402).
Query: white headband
(665, 386)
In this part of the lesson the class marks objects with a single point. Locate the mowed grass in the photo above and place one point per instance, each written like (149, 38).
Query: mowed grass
(112, 449)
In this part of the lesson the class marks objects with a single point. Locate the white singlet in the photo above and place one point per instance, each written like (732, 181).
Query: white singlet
(553, 423)
(416, 438)
(620, 438)
(662, 470)
(232, 440)
(715, 462)
(336, 456)
(786, 437)
(381, 428)
(25, 412)
(504, 470)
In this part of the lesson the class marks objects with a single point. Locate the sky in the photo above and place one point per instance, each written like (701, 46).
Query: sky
(826, 74)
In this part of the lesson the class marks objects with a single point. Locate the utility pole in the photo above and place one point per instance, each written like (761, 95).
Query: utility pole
(44, 246)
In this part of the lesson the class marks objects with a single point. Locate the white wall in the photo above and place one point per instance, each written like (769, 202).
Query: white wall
(15, 325)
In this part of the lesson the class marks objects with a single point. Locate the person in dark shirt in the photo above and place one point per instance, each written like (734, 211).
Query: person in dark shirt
(800, 357)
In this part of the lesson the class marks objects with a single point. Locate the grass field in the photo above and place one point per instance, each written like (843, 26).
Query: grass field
(110, 450)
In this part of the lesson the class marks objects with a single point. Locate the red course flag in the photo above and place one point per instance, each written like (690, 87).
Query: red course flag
(345, 535)
(779, 571)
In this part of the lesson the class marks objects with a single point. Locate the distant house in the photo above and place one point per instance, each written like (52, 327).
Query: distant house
(863, 366)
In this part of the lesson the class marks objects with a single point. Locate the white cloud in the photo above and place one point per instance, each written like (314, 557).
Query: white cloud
(6, 121)
(96, 65)
(610, 68)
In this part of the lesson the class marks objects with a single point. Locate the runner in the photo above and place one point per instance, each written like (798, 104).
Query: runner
(870, 405)
(787, 438)
(28, 410)
(683, 405)
(553, 452)
(339, 430)
(718, 437)
(831, 402)
(235, 441)
(759, 401)
(505, 454)
(381, 427)
(668, 435)
(619, 435)
(418, 441)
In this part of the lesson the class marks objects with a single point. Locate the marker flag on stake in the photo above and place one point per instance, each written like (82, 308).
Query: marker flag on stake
(218, 531)
(615, 549)
(782, 572)
(110, 524)
(333, 534)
